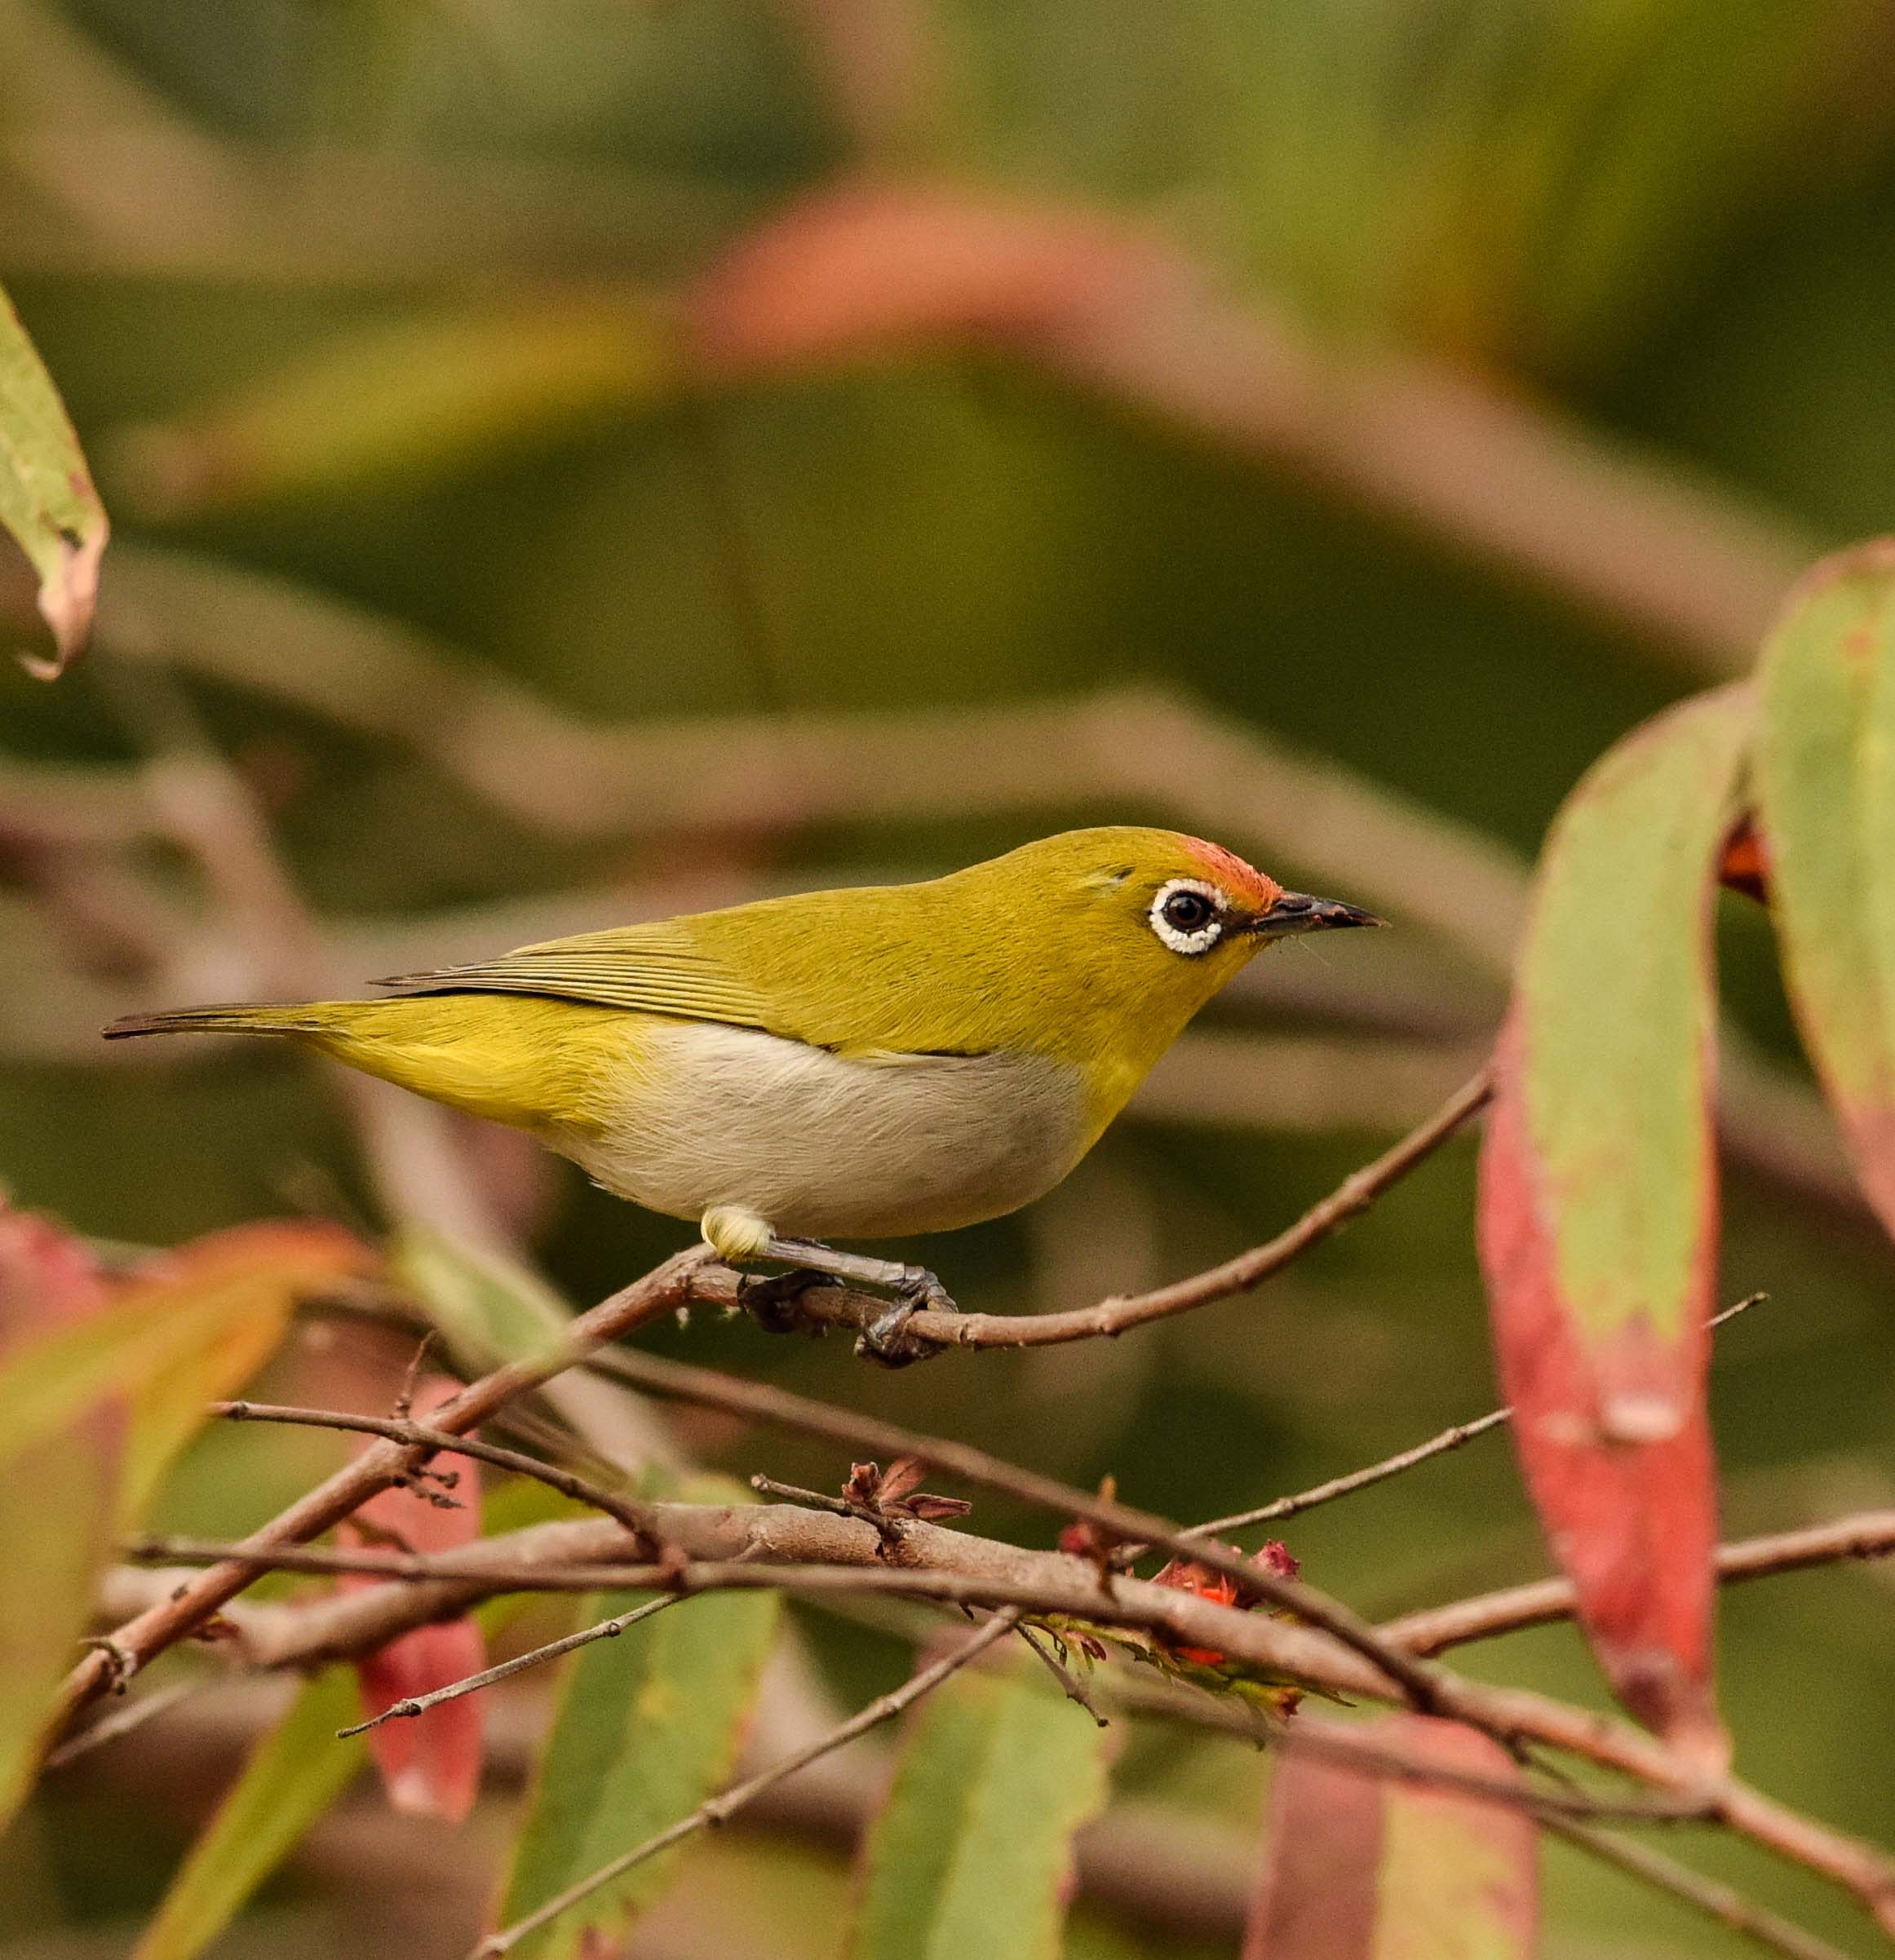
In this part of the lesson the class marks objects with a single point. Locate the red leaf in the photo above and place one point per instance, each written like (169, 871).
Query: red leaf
(430, 1764)
(1598, 1205)
(1632, 1523)
(1362, 1867)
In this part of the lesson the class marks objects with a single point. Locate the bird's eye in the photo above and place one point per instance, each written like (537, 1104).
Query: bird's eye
(1187, 911)
(1187, 916)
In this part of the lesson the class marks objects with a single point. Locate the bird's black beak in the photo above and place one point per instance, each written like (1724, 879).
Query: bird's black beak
(1298, 912)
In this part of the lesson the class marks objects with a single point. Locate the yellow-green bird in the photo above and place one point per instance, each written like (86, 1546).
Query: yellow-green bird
(851, 1064)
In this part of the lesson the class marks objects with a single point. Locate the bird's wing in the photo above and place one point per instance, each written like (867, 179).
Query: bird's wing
(656, 968)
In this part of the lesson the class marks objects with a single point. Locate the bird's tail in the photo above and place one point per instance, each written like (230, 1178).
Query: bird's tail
(301, 1017)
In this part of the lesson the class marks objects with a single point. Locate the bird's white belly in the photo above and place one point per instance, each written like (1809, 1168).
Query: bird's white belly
(824, 1146)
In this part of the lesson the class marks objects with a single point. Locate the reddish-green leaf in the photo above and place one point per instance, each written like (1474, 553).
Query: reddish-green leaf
(648, 1727)
(49, 1552)
(293, 1776)
(46, 498)
(972, 1853)
(1359, 1867)
(1826, 787)
(97, 1394)
(1598, 1207)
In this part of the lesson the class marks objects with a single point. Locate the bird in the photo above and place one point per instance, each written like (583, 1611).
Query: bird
(868, 1063)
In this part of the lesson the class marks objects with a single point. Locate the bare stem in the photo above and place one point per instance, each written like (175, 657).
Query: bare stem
(721, 1807)
(602, 1629)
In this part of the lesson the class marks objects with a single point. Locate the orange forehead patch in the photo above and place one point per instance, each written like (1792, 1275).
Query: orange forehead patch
(1243, 881)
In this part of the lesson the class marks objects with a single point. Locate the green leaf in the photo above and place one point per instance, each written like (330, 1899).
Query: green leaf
(292, 1777)
(46, 498)
(1614, 995)
(97, 1410)
(1826, 790)
(649, 1726)
(1598, 1203)
(407, 401)
(972, 1853)
(489, 1309)
(51, 1553)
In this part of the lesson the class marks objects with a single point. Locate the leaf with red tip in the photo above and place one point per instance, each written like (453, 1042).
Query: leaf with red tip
(1598, 1203)
(430, 1764)
(46, 498)
(101, 1383)
(1826, 787)
(1363, 1867)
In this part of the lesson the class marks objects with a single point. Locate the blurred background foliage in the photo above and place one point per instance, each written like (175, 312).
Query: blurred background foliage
(522, 422)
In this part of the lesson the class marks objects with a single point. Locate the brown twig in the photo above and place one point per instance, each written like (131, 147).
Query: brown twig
(681, 1380)
(957, 1569)
(602, 1629)
(383, 1464)
(1450, 1439)
(1722, 1903)
(634, 1516)
(1866, 1535)
(719, 1808)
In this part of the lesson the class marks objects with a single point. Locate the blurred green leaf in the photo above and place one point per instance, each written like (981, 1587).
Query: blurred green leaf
(487, 1308)
(52, 1548)
(291, 1778)
(406, 403)
(973, 1851)
(649, 1726)
(1598, 1205)
(46, 498)
(1826, 783)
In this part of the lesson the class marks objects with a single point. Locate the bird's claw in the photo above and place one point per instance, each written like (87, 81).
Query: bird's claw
(887, 1340)
(773, 1301)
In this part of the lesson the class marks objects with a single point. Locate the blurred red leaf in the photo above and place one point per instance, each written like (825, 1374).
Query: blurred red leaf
(1358, 1867)
(46, 1275)
(871, 267)
(1598, 1204)
(430, 1764)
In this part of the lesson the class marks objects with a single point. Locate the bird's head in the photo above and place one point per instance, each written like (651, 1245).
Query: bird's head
(1145, 926)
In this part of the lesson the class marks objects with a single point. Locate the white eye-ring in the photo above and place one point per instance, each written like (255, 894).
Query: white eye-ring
(1188, 915)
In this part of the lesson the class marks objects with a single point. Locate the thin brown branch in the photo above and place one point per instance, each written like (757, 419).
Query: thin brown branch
(1070, 1685)
(1724, 1903)
(681, 1380)
(124, 1720)
(1278, 1508)
(954, 1569)
(1866, 1535)
(1450, 1439)
(553, 1650)
(383, 1464)
(634, 1516)
(719, 1808)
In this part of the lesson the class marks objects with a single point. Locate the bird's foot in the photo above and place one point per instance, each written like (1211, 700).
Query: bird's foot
(886, 1339)
(775, 1301)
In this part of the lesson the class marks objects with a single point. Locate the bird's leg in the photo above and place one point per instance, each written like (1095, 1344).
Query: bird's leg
(886, 1338)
